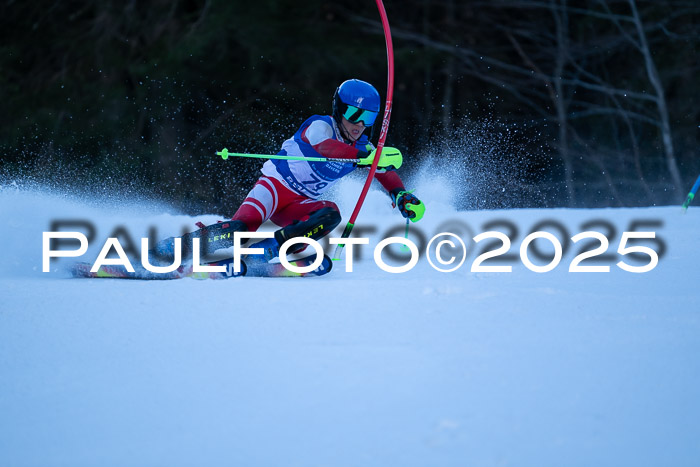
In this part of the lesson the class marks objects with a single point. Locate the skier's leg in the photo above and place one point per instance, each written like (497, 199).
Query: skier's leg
(298, 215)
(261, 202)
(267, 197)
(310, 218)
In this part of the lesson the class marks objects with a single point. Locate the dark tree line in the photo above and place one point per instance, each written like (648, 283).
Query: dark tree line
(594, 101)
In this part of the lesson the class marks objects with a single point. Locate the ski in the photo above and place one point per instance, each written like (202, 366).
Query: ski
(251, 267)
(259, 267)
(82, 270)
(227, 274)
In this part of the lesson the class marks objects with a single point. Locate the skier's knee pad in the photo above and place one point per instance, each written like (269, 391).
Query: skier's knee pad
(328, 218)
(319, 224)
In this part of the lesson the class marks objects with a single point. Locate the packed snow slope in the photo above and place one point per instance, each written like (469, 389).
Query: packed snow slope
(362, 368)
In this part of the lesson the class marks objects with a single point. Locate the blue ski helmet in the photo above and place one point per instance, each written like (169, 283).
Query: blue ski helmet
(357, 101)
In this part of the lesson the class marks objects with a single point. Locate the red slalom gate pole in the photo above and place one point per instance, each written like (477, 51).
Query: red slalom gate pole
(382, 134)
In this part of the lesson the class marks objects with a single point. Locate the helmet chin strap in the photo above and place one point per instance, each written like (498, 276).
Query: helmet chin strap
(346, 133)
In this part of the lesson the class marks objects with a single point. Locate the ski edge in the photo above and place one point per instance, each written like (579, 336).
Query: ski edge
(250, 268)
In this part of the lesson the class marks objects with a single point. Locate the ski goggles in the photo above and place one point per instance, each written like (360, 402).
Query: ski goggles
(356, 115)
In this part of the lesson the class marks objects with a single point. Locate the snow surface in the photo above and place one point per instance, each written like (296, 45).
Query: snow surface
(351, 369)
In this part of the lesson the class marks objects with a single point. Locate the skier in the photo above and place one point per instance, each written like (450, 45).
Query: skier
(288, 191)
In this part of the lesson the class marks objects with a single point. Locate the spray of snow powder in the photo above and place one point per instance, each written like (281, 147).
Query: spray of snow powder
(474, 168)
(481, 165)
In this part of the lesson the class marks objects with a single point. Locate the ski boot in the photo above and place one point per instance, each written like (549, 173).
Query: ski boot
(211, 238)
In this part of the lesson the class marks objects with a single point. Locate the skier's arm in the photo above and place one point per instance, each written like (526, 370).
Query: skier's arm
(390, 180)
(409, 205)
(334, 149)
(320, 135)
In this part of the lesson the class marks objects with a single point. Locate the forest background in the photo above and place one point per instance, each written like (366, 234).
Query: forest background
(538, 103)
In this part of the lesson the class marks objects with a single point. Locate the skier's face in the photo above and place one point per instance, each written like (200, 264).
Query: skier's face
(353, 130)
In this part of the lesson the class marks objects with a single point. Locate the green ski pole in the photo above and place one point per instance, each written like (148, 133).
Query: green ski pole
(224, 153)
